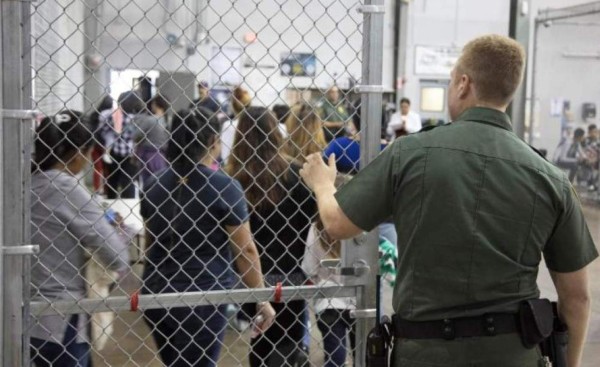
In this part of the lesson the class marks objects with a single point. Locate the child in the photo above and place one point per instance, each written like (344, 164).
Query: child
(333, 314)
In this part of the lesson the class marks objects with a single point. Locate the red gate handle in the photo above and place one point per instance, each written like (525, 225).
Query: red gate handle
(134, 301)
(278, 291)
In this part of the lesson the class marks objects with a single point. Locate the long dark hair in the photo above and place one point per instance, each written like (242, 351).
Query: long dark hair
(192, 133)
(105, 104)
(131, 102)
(256, 160)
(59, 138)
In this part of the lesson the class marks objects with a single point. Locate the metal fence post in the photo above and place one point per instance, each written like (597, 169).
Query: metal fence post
(371, 103)
(15, 38)
(1, 190)
(519, 27)
(96, 77)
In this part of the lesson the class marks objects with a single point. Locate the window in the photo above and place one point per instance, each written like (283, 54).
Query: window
(433, 99)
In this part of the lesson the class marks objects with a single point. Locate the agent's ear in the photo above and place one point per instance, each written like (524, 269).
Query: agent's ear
(465, 86)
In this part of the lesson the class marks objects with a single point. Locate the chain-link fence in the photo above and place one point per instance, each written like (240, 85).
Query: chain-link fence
(164, 190)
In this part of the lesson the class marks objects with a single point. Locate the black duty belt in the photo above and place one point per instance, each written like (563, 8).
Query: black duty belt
(464, 327)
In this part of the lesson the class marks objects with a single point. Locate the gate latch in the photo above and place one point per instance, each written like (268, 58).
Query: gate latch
(369, 313)
(358, 269)
(372, 9)
(369, 89)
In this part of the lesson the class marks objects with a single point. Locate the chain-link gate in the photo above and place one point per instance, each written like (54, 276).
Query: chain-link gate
(191, 228)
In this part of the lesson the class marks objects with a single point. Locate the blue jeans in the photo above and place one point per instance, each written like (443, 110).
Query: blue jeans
(45, 353)
(188, 336)
(335, 325)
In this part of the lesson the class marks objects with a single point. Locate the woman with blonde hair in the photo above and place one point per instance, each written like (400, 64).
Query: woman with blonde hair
(305, 130)
(240, 99)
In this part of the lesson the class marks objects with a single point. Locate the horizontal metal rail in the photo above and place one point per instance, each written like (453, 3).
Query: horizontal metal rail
(19, 114)
(21, 250)
(371, 9)
(550, 14)
(581, 55)
(369, 89)
(187, 299)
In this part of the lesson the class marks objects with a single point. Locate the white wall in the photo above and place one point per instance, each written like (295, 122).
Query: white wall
(57, 45)
(557, 75)
(576, 79)
(329, 28)
(132, 35)
(448, 23)
(451, 23)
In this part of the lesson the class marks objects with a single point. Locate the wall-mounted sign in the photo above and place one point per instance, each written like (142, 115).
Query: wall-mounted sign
(435, 60)
(298, 64)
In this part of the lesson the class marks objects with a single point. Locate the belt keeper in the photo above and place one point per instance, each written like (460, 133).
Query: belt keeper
(488, 325)
(449, 330)
(278, 293)
(134, 301)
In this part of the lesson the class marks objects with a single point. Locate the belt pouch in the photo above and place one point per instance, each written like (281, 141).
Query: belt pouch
(536, 321)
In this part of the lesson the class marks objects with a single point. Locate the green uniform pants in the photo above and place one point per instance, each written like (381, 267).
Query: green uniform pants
(498, 351)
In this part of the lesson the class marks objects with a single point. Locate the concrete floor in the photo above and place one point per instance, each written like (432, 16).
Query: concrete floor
(132, 344)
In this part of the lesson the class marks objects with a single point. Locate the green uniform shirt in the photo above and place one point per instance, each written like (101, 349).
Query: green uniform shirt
(333, 113)
(475, 207)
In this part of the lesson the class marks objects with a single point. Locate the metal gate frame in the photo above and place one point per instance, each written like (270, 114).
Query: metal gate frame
(15, 104)
(372, 94)
(16, 140)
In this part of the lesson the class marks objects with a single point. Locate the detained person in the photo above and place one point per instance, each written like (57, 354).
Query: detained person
(197, 226)
(68, 225)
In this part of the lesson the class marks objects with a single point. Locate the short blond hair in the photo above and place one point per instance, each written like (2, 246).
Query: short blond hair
(495, 64)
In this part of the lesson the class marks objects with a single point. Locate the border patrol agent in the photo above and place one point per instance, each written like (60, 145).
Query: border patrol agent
(333, 113)
(475, 209)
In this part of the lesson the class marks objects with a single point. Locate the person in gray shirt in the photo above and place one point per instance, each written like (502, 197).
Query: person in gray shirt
(151, 137)
(69, 225)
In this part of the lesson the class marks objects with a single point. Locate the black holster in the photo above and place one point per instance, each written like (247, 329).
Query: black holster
(379, 344)
(555, 347)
